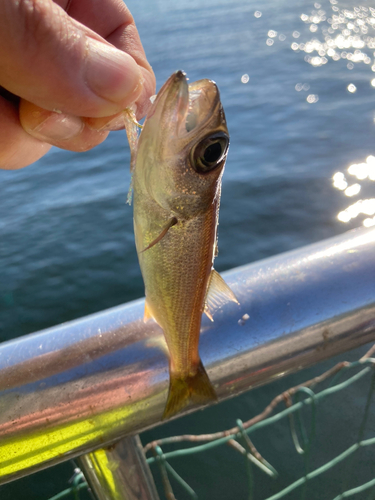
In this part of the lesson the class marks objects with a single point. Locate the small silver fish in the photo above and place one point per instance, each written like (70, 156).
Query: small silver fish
(177, 183)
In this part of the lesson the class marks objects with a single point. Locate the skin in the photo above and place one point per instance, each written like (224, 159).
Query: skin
(166, 187)
(67, 71)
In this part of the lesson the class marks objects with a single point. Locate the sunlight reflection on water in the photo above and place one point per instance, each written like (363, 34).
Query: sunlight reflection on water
(339, 33)
(348, 35)
(342, 30)
(364, 172)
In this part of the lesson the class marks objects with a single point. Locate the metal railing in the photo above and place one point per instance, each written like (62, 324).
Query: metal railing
(76, 389)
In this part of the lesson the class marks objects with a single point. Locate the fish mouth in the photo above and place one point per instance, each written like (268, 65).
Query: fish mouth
(171, 101)
(204, 98)
(184, 107)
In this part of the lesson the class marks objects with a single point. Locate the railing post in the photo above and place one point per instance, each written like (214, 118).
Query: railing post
(119, 472)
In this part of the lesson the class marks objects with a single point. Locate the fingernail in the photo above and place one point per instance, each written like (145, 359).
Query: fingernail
(58, 126)
(111, 73)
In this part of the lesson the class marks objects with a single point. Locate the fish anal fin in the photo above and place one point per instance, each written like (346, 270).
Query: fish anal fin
(158, 341)
(147, 314)
(208, 313)
(170, 223)
(187, 391)
(218, 293)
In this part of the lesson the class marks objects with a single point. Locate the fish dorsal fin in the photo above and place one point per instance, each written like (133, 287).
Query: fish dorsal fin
(164, 231)
(218, 293)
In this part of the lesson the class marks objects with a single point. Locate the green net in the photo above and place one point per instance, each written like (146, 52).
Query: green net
(302, 429)
(78, 483)
(298, 409)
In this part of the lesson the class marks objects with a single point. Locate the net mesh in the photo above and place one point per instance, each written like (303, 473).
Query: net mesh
(297, 409)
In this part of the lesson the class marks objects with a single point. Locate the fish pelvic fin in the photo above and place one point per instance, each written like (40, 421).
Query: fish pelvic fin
(187, 391)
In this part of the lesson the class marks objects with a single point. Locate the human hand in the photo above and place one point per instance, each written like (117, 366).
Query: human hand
(68, 68)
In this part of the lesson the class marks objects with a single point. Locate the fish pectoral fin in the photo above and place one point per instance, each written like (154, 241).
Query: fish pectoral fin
(169, 224)
(218, 293)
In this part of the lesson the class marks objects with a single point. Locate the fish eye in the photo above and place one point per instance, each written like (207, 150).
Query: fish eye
(210, 152)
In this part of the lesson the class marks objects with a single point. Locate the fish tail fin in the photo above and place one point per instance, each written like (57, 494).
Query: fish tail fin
(188, 390)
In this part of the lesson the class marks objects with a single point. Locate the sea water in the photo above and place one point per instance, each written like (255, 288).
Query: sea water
(297, 82)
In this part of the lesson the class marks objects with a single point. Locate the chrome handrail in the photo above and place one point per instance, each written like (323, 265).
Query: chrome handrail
(83, 385)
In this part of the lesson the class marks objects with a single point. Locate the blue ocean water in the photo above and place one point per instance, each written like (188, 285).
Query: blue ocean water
(297, 82)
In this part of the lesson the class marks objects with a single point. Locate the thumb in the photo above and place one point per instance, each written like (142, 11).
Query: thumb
(57, 63)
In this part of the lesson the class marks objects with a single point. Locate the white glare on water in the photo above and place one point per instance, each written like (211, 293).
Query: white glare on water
(334, 33)
(352, 190)
(245, 78)
(369, 222)
(302, 86)
(339, 181)
(364, 170)
(361, 171)
(312, 98)
(347, 33)
(366, 207)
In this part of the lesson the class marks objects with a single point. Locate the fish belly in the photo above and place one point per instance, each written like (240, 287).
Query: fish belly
(175, 273)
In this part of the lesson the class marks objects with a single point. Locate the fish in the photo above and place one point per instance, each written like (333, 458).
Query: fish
(179, 163)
